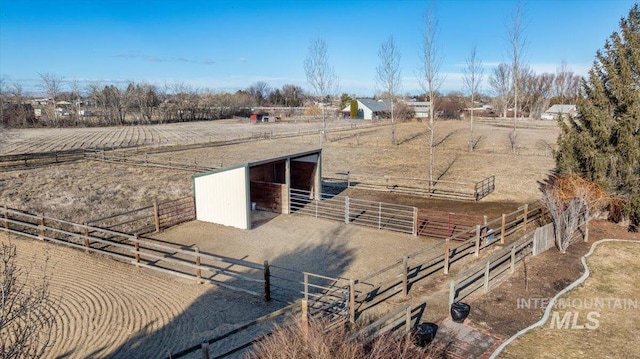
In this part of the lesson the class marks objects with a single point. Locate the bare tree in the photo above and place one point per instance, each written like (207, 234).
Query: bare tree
(143, 100)
(388, 76)
(536, 93)
(74, 86)
(27, 312)
(52, 85)
(430, 78)
(500, 83)
(517, 43)
(19, 115)
(185, 101)
(320, 76)
(259, 91)
(3, 94)
(566, 84)
(567, 215)
(472, 80)
(292, 95)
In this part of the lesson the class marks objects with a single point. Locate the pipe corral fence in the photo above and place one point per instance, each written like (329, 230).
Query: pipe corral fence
(459, 190)
(340, 300)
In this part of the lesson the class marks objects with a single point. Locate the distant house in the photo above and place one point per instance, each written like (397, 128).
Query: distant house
(420, 108)
(553, 113)
(369, 109)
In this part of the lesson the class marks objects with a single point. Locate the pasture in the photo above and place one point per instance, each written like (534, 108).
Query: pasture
(86, 189)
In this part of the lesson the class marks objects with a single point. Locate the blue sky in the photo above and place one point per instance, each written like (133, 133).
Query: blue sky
(228, 45)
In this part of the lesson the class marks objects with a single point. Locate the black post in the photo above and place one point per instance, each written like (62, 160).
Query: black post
(267, 282)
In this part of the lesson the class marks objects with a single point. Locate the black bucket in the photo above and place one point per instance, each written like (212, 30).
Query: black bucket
(459, 311)
(424, 334)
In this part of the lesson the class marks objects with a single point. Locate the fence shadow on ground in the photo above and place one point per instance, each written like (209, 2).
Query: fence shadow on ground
(220, 310)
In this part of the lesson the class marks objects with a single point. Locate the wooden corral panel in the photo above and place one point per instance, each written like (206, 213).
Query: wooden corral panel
(269, 172)
(303, 172)
(270, 196)
(223, 197)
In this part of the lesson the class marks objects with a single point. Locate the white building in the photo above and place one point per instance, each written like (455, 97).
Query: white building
(566, 111)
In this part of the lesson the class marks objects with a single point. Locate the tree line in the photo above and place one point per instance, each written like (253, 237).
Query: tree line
(67, 104)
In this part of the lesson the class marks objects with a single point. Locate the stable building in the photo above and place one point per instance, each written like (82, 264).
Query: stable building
(228, 196)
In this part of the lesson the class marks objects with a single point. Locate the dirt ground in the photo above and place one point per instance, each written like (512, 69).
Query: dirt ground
(85, 190)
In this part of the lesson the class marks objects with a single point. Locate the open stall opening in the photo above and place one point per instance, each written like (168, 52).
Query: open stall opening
(228, 196)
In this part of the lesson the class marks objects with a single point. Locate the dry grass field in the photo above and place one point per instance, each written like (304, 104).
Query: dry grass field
(84, 190)
(612, 332)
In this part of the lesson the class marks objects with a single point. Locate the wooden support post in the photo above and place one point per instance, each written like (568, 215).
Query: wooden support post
(407, 322)
(156, 214)
(513, 259)
(452, 291)
(486, 277)
(503, 230)
(305, 314)
(87, 244)
(526, 212)
(205, 350)
(379, 215)
(6, 217)
(405, 276)
(306, 286)
(267, 282)
(198, 269)
(352, 301)
(136, 244)
(446, 256)
(346, 210)
(415, 221)
(41, 228)
(477, 240)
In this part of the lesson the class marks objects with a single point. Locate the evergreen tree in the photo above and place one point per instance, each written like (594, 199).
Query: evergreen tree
(602, 143)
(353, 109)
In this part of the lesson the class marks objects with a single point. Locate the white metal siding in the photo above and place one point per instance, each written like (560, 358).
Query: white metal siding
(222, 198)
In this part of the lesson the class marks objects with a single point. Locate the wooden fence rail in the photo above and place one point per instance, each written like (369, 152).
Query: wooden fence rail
(42, 158)
(134, 158)
(491, 271)
(204, 347)
(345, 298)
(400, 275)
(401, 316)
(153, 218)
(230, 273)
